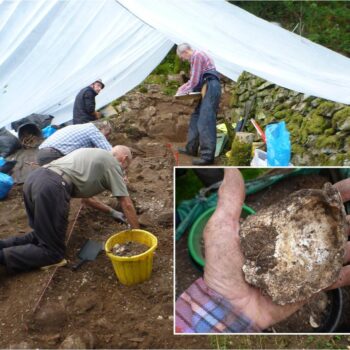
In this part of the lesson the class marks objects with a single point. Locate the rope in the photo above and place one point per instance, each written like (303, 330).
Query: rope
(55, 268)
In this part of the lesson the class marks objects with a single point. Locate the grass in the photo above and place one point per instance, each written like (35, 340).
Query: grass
(269, 341)
(116, 102)
(249, 174)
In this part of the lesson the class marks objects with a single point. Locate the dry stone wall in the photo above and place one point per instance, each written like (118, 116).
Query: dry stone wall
(319, 129)
(152, 114)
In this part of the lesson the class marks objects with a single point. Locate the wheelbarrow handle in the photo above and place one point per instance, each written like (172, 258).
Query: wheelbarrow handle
(78, 264)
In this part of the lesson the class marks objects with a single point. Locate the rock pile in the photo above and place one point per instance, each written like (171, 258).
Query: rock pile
(152, 114)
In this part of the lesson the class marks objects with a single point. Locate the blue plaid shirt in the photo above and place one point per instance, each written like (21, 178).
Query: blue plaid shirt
(72, 137)
(201, 310)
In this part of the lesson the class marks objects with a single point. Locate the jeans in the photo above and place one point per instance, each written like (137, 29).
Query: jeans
(202, 128)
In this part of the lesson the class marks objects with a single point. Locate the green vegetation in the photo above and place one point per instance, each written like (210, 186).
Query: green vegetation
(116, 102)
(324, 22)
(325, 108)
(341, 117)
(332, 141)
(171, 87)
(143, 89)
(250, 174)
(316, 124)
(270, 341)
(187, 185)
(171, 64)
(241, 153)
(155, 79)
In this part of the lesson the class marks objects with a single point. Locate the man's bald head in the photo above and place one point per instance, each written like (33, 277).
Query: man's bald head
(123, 155)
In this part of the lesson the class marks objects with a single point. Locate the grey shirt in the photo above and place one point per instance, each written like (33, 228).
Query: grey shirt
(92, 171)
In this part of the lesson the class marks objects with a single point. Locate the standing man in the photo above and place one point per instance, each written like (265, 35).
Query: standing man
(202, 128)
(84, 104)
(47, 191)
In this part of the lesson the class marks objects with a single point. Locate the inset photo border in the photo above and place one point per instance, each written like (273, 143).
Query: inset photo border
(261, 250)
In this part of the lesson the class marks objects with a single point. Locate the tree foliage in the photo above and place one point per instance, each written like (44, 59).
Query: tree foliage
(324, 22)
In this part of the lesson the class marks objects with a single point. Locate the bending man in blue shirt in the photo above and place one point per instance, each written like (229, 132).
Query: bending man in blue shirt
(72, 137)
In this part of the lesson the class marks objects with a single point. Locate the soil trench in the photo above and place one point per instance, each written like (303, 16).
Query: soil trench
(89, 308)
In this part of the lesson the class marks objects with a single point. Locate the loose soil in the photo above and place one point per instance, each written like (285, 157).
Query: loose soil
(129, 249)
(90, 304)
(89, 307)
(307, 319)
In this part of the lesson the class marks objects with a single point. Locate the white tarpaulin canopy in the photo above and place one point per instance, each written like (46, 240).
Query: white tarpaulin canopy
(50, 49)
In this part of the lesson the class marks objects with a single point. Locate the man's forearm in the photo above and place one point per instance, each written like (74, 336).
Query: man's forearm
(97, 115)
(129, 211)
(93, 202)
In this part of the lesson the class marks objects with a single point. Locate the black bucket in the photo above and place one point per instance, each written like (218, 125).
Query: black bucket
(332, 320)
(28, 130)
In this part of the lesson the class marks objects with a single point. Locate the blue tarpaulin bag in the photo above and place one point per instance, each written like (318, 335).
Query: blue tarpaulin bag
(6, 183)
(48, 131)
(278, 144)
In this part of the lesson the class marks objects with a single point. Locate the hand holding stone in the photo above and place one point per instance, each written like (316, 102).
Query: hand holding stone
(224, 258)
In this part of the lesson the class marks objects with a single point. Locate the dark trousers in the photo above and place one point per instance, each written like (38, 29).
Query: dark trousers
(47, 155)
(202, 128)
(46, 198)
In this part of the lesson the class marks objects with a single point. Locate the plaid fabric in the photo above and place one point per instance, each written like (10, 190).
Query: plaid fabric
(200, 63)
(72, 137)
(201, 310)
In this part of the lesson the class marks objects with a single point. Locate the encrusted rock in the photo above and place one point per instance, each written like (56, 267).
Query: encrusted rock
(295, 247)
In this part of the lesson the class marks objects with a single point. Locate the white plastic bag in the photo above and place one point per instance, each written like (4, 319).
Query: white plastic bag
(259, 159)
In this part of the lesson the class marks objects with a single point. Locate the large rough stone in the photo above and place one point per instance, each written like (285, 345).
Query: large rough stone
(21, 345)
(85, 304)
(176, 77)
(181, 131)
(109, 111)
(165, 218)
(265, 85)
(295, 247)
(345, 126)
(51, 316)
(146, 219)
(82, 340)
(151, 111)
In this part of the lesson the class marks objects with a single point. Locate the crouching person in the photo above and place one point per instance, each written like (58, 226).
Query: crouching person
(47, 192)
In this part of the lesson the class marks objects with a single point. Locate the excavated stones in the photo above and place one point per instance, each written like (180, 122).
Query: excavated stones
(295, 247)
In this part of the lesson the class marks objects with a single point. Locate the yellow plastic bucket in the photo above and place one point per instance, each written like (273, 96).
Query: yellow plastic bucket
(132, 269)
